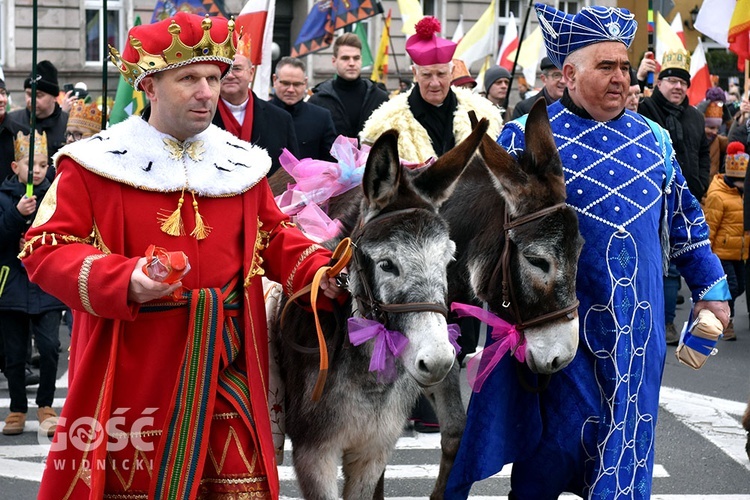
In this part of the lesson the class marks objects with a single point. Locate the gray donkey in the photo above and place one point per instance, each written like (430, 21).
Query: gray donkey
(398, 283)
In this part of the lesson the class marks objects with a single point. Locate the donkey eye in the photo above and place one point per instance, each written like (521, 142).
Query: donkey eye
(387, 266)
(540, 263)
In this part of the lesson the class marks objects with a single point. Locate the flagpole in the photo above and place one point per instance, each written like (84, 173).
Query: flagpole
(104, 65)
(518, 52)
(32, 132)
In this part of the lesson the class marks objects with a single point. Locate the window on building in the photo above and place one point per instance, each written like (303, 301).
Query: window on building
(506, 8)
(95, 48)
(568, 7)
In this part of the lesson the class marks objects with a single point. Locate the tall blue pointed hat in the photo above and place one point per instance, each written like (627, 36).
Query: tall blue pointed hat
(564, 33)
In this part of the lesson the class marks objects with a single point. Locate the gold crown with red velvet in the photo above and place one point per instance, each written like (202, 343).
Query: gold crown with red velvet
(177, 41)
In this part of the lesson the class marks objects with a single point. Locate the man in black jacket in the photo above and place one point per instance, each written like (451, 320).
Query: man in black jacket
(50, 118)
(669, 107)
(313, 125)
(350, 98)
(254, 120)
(552, 91)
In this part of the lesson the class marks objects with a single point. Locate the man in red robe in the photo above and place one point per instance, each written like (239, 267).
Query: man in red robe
(168, 382)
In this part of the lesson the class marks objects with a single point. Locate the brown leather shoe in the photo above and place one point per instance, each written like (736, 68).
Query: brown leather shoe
(729, 331)
(47, 420)
(673, 337)
(14, 423)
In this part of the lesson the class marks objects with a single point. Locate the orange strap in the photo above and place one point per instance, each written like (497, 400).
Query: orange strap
(341, 257)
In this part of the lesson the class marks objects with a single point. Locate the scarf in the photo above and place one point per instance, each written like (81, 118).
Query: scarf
(670, 117)
(436, 120)
(231, 124)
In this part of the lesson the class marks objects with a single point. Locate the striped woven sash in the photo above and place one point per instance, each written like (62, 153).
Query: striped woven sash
(214, 343)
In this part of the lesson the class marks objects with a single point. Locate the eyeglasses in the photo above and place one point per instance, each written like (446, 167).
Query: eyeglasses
(676, 81)
(285, 84)
(555, 75)
(76, 136)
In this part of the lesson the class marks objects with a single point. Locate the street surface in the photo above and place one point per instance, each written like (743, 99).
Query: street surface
(700, 449)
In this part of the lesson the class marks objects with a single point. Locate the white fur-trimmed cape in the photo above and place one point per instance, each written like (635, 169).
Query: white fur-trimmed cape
(134, 153)
(414, 144)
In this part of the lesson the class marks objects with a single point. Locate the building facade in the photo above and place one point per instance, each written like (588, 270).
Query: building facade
(68, 33)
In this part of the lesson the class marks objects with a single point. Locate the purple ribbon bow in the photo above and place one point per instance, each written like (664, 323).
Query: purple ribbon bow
(506, 337)
(389, 345)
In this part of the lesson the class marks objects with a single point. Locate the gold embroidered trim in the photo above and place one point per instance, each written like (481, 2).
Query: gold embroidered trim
(256, 268)
(138, 462)
(287, 224)
(233, 438)
(28, 247)
(238, 480)
(126, 496)
(308, 251)
(226, 416)
(83, 281)
(124, 435)
(261, 492)
(97, 241)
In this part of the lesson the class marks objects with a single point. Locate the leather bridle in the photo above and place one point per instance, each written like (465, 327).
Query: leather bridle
(509, 294)
(369, 306)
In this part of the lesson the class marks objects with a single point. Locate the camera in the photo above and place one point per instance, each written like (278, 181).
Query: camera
(79, 90)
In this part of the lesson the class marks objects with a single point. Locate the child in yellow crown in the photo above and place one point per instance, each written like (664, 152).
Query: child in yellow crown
(723, 209)
(24, 308)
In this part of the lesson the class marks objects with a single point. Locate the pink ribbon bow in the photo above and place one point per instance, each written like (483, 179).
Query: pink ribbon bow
(506, 338)
(389, 345)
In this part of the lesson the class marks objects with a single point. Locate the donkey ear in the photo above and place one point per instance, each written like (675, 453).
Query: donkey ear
(383, 171)
(540, 143)
(473, 118)
(436, 183)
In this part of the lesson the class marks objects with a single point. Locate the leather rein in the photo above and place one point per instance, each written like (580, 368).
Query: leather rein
(509, 294)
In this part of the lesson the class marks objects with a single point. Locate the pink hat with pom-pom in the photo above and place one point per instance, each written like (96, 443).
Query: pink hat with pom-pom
(426, 48)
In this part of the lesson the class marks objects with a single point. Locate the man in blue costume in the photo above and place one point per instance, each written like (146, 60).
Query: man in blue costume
(591, 432)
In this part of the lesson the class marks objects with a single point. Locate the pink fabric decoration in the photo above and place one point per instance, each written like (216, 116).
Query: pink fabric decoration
(317, 181)
(389, 345)
(506, 338)
(316, 224)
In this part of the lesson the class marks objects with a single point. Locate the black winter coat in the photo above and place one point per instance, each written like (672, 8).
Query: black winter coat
(18, 293)
(325, 96)
(273, 130)
(693, 151)
(314, 128)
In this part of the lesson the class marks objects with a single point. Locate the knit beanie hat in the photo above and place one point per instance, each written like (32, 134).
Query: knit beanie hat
(493, 74)
(46, 79)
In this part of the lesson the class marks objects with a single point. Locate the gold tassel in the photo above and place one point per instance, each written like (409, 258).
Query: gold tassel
(202, 229)
(172, 224)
